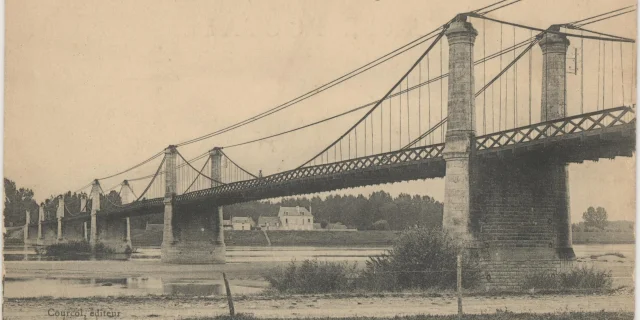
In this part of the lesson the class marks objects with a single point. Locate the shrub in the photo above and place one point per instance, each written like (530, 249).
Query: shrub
(76, 248)
(380, 225)
(586, 278)
(578, 278)
(421, 259)
(312, 276)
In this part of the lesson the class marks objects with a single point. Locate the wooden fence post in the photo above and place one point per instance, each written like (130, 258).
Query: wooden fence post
(232, 310)
(459, 283)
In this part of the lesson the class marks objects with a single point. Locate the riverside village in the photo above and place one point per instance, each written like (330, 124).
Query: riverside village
(338, 159)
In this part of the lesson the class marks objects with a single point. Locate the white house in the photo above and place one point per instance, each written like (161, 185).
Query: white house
(269, 223)
(295, 218)
(242, 223)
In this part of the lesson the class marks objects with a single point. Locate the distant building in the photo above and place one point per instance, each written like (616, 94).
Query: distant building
(295, 218)
(226, 225)
(242, 223)
(317, 226)
(269, 223)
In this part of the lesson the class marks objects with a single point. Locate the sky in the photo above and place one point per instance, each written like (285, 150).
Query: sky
(93, 87)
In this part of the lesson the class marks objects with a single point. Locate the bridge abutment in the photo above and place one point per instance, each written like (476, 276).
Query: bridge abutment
(190, 235)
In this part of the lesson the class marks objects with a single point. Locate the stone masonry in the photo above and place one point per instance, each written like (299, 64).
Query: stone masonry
(513, 215)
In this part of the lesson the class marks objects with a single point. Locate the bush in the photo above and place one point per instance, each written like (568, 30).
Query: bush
(68, 248)
(586, 278)
(76, 248)
(312, 276)
(380, 225)
(420, 259)
(578, 278)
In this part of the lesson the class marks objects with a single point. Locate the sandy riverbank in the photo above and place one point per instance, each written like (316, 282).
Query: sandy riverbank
(316, 306)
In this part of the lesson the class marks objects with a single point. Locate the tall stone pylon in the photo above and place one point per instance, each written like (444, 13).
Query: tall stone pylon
(460, 130)
(554, 88)
(83, 203)
(216, 174)
(126, 193)
(95, 207)
(126, 196)
(60, 216)
(27, 222)
(170, 191)
(40, 220)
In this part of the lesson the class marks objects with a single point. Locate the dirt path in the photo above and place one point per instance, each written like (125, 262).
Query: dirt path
(178, 308)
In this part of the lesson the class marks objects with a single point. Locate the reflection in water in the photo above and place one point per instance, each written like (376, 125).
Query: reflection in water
(234, 254)
(135, 286)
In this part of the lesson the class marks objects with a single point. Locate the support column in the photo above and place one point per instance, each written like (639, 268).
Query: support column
(83, 203)
(95, 207)
(460, 130)
(554, 90)
(216, 174)
(40, 219)
(27, 221)
(126, 195)
(60, 215)
(170, 191)
(192, 234)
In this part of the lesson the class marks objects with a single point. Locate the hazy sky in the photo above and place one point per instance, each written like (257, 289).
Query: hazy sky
(95, 86)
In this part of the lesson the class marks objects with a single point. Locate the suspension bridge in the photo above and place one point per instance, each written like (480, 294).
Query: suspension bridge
(544, 98)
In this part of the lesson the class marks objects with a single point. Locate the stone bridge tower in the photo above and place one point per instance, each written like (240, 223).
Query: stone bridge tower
(512, 215)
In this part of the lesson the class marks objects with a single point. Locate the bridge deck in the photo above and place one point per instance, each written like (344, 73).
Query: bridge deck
(602, 134)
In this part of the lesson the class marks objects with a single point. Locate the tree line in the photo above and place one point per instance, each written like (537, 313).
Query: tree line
(18, 200)
(378, 210)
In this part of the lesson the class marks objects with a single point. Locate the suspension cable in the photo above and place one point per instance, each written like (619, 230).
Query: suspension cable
(152, 180)
(200, 172)
(440, 35)
(198, 176)
(322, 88)
(241, 168)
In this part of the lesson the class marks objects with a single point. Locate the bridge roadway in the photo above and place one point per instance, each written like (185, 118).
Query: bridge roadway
(591, 136)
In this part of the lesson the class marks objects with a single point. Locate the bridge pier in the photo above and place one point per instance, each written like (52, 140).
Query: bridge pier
(30, 231)
(460, 130)
(113, 233)
(511, 215)
(47, 232)
(191, 235)
(95, 206)
(554, 106)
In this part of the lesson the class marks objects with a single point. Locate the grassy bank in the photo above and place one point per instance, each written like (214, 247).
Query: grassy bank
(500, 315)
(284, 238)
(603, 237)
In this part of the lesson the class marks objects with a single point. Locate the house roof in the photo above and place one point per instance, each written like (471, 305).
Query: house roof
(271, 220)
(242, 220)
(294, 211)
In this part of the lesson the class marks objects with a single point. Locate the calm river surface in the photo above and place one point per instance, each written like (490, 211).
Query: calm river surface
(148, 284)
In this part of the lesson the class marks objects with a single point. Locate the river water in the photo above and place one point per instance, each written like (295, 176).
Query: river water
(136, 286)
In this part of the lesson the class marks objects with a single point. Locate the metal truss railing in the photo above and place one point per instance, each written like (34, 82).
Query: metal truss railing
(602, 119)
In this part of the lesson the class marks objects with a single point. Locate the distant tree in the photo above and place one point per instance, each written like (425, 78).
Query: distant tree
(595, 218)
(380, 225)
(324, 224)
(16, 202)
